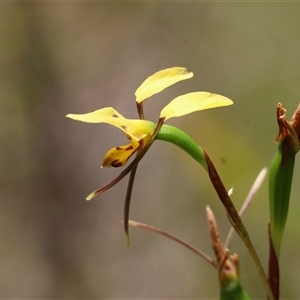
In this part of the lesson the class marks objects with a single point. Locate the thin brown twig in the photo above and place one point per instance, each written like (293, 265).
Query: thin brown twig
(175, 239)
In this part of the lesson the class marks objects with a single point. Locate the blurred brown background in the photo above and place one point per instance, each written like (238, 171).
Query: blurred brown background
(59, 58)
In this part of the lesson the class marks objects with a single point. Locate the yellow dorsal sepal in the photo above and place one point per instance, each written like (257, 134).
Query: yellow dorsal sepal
(161, 80)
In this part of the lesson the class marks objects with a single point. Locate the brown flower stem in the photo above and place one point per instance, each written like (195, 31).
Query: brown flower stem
(175, 239)
(274, 274)
(236, 221)
(127, 203)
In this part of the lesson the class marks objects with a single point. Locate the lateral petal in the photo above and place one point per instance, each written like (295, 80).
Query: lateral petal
(191, 102)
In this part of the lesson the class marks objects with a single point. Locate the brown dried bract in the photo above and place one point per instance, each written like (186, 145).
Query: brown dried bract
(289, 132)
(295, 121)
(228, 271)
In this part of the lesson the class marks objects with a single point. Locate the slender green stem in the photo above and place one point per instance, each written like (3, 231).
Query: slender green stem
(280, 182)
(181, 139)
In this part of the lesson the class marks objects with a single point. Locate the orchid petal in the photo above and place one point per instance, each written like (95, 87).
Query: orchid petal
(136, 129)
(118, 156)
(161, 80)
(97, 116)
(129, 168)
(191, 102)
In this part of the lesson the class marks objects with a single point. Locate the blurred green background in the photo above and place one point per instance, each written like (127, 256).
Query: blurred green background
(60, 58)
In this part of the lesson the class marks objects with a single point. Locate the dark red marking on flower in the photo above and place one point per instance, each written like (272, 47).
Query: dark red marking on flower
(141, 143)
(124, 127)
(129, 147)
(116, 163)
(115, 116)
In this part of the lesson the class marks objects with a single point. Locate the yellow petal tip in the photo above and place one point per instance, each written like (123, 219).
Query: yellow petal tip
(127, 239)
(90, 196)
(160, 81)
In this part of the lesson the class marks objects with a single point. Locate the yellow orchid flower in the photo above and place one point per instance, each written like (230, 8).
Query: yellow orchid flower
(137, 131)
(142, 133)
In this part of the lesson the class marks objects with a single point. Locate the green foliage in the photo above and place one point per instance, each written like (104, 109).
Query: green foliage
(234, 292)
